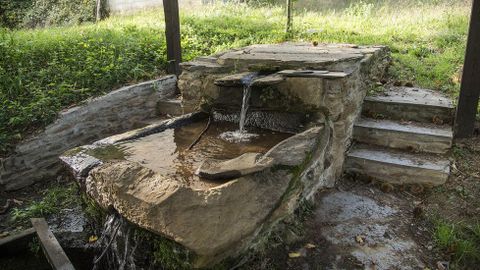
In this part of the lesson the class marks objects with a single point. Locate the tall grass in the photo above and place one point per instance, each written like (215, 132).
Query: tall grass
(45, 70)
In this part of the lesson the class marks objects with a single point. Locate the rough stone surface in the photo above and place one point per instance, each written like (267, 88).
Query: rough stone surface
(398, 167)
(289, 152)
(409, 136)
(170, 107)
(120, 110)
(243, 165)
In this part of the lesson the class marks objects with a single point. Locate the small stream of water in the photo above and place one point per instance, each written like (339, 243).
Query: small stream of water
(247, 85)
(118, 245)
(241, 135)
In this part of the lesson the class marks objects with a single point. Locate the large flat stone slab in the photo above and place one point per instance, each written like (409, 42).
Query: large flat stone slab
(410, 136)
(397, 167)
(296, 55)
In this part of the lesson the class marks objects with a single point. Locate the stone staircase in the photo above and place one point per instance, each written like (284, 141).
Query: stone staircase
(172, 107)
(403, 137)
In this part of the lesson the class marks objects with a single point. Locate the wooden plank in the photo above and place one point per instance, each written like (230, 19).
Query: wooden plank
(16, 243)
(172, 34)
(470, 88)
(289, 16)
(52, 249)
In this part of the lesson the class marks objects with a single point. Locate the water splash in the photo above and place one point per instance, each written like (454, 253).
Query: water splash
(242, 135)
(237, 136)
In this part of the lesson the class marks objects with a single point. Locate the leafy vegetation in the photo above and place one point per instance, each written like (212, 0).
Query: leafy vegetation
(59, 12)
(54, 199)
(43, 71)
(12, 12)
(39, 13)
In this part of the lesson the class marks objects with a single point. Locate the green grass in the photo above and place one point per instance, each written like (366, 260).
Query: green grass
(461, 242)
(53, 200)
(46, 70)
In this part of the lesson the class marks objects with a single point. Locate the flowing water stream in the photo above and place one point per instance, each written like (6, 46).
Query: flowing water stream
(247, 85)
(241, 135)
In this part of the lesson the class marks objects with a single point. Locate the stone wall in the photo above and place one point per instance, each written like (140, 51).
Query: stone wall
(123, 109)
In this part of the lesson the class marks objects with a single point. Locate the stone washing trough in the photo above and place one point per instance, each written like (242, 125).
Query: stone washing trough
(148, 176)
(216, 197)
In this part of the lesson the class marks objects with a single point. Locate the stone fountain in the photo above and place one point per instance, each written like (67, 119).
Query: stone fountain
(183, 179)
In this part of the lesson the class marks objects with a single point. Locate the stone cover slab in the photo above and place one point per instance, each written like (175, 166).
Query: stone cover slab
(296, 54)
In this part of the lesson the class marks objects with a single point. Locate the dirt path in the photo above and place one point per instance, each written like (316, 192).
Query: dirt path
(358, 226)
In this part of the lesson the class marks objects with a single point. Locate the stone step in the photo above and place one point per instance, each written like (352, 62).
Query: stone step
(410, 104)
(172, 107)
(396, 167)
(413, 136)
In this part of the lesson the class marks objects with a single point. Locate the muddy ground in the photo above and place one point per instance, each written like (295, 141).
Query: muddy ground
(365, 225)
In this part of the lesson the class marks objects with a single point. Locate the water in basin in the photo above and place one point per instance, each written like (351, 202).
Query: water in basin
(167, 152)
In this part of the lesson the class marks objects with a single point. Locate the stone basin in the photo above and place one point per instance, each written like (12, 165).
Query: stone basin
(147, 175)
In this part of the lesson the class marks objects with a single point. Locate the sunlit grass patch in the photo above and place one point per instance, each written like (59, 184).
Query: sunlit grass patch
(459, 241)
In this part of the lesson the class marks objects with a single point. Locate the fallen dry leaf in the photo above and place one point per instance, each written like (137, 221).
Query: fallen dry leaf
(92, 238)
(294, 255)
(310, 246)
(360, 239)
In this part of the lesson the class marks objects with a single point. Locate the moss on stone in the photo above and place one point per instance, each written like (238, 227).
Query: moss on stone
(74, 151)
(108, 152)
(92, 210)
(170, 255)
